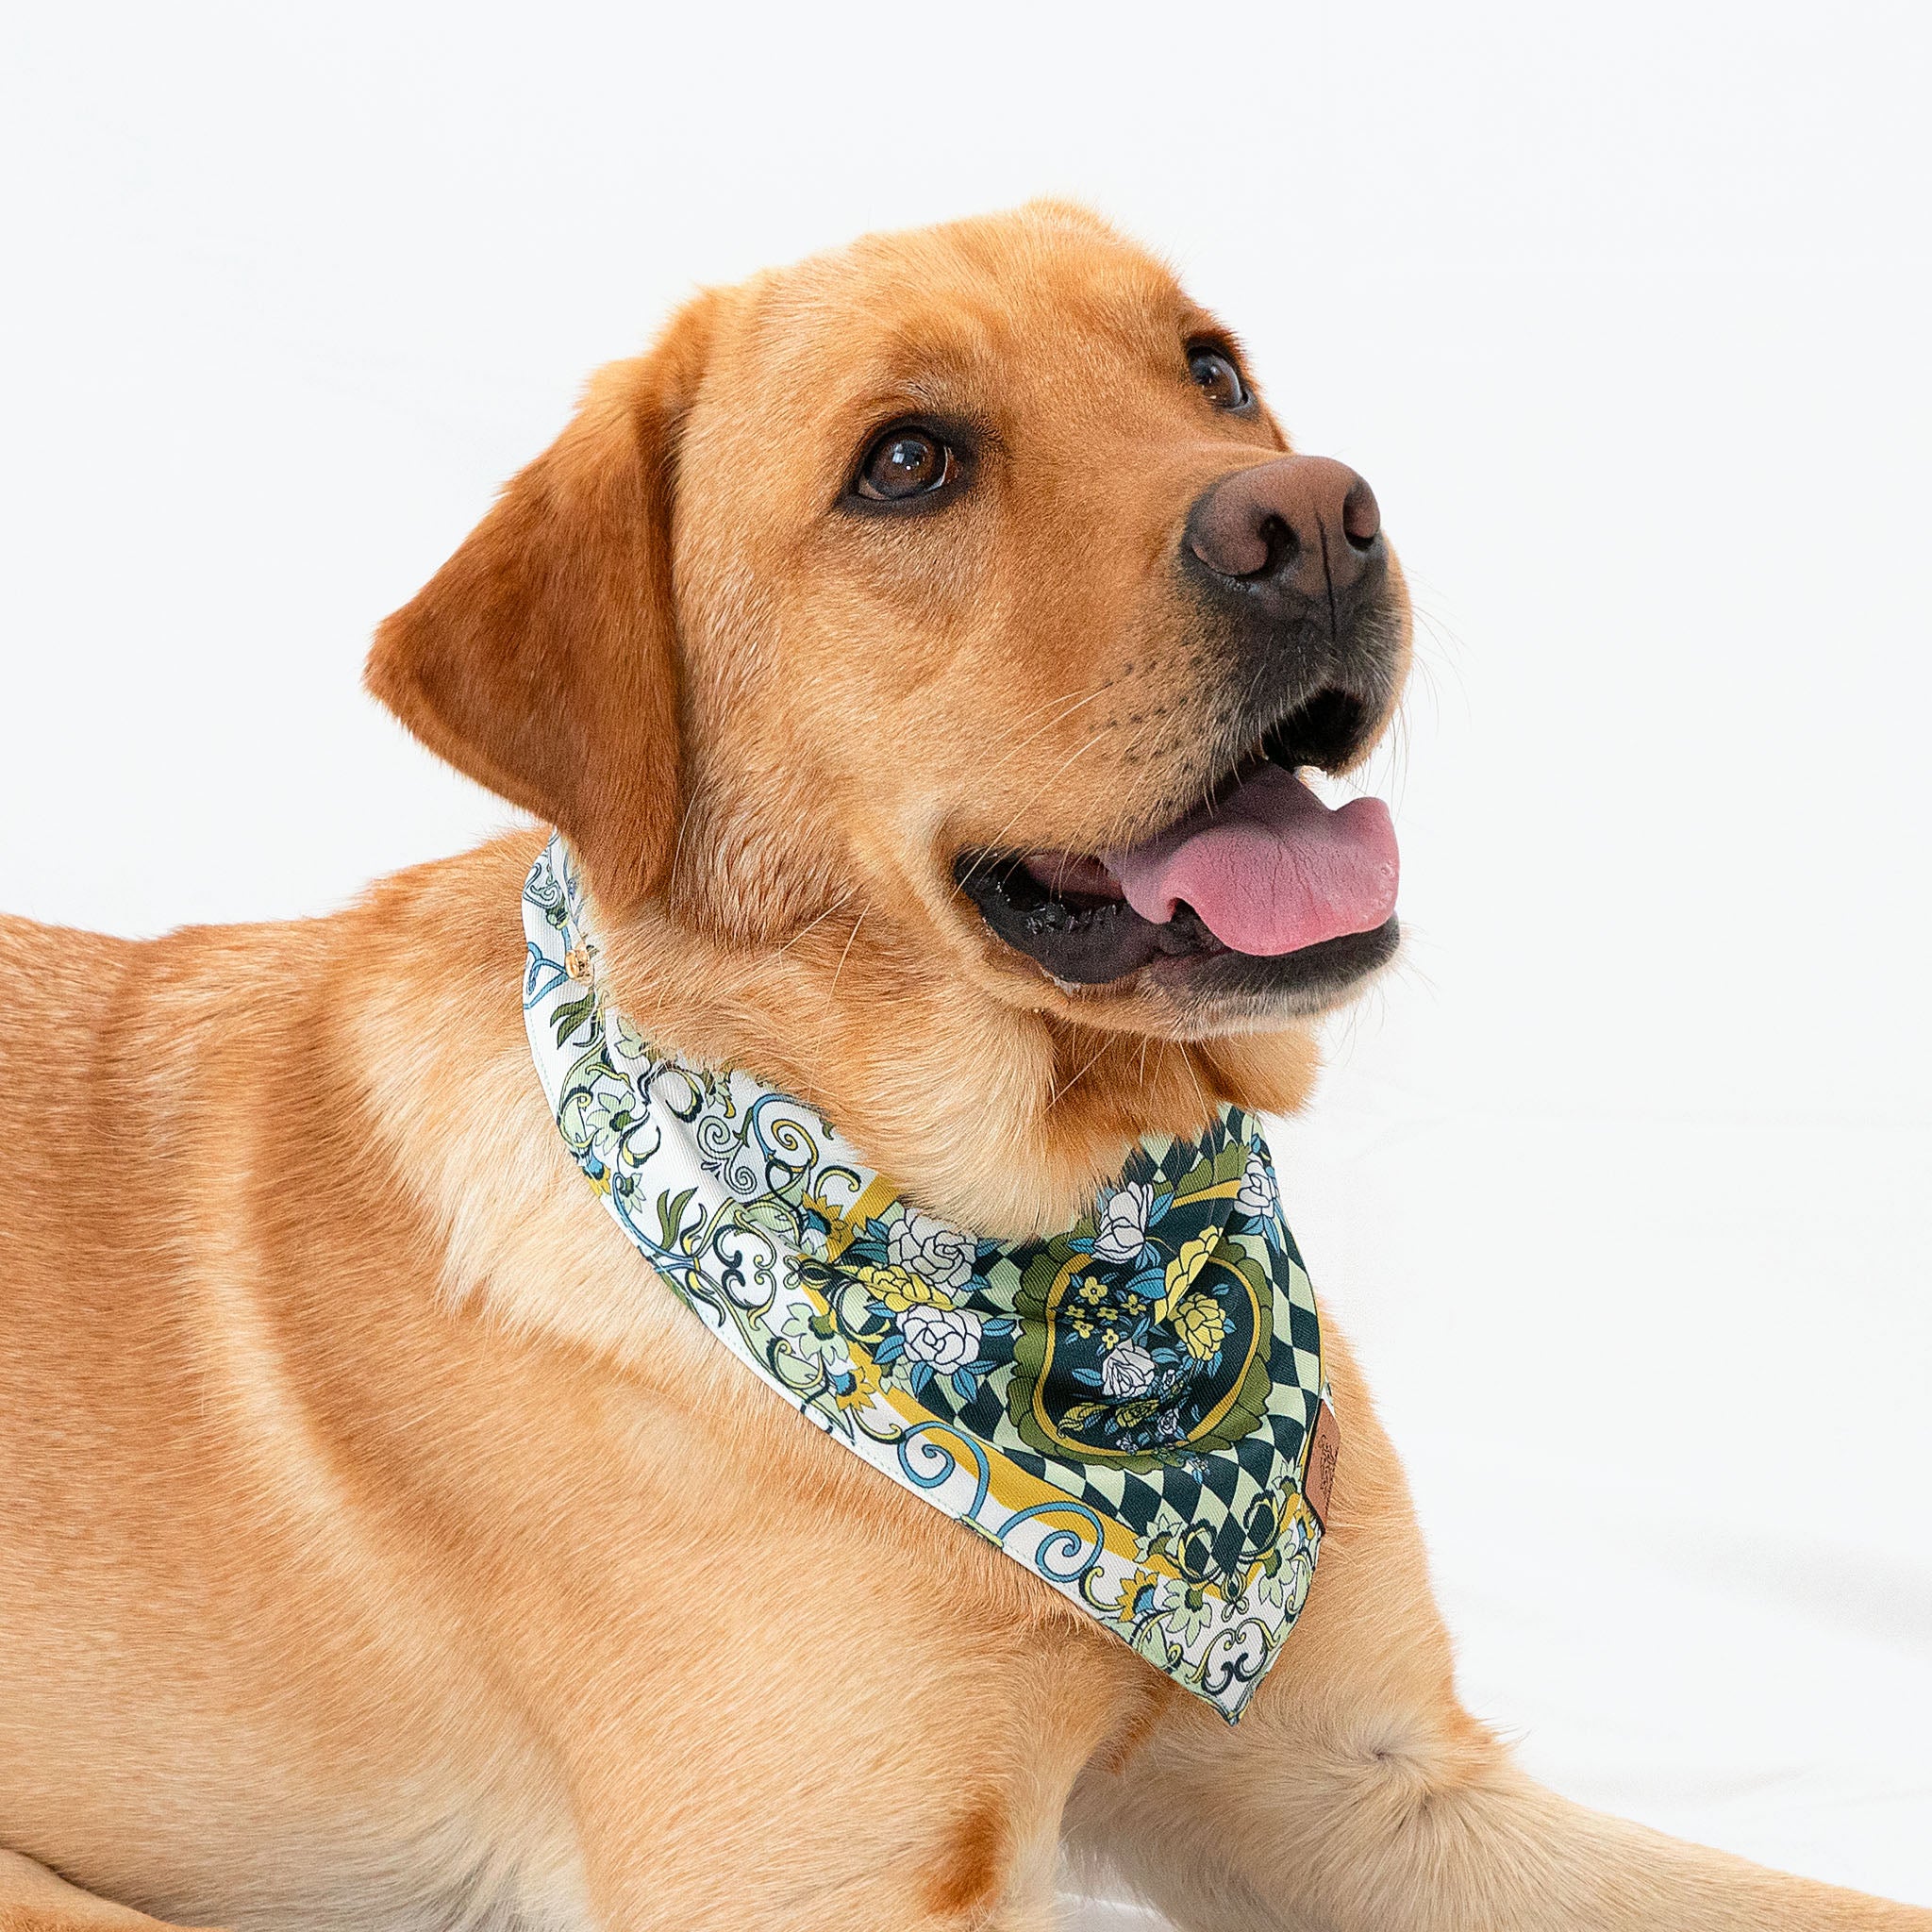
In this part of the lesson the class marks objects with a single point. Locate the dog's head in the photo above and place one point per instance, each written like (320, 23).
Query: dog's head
(964, 581)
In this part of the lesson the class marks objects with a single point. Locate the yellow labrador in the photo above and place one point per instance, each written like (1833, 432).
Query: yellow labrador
(383, 1545)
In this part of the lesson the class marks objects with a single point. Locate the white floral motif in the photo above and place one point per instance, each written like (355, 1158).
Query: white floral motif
(946, 1339)
(1288, 1587)
(1126, 1371)
(809, 1343)
(931, 1250)
(1190, 1617)
(593, 1117)
(1123, 1223)
(1257, 1194)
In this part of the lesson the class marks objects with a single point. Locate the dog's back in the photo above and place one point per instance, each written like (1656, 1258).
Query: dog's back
(100, 1095)
(180, 1132)
(128, 1145)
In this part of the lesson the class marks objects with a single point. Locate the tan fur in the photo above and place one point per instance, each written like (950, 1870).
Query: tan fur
(382, 1545)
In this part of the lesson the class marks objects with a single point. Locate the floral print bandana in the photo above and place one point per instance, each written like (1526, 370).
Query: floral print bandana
(1128, 1407)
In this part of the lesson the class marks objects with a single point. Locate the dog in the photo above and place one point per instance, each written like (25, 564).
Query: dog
(383, 1545)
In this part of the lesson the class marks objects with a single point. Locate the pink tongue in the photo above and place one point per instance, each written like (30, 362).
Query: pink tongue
(1270, 868)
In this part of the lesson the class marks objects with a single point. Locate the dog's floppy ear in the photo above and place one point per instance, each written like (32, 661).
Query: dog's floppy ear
(541, 658)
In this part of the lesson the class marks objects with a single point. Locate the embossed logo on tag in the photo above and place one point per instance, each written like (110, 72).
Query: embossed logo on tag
(1320, 1481)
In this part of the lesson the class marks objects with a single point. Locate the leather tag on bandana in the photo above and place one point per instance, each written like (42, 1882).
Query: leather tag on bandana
(1319, 1483)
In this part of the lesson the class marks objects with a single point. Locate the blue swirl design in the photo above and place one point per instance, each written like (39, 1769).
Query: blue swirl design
(1062, 1538)
(945, 1461)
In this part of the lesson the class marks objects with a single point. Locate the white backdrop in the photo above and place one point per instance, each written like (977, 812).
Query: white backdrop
(1624, 314)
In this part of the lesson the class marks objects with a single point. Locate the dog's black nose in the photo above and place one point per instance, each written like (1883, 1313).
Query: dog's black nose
(1301, 534)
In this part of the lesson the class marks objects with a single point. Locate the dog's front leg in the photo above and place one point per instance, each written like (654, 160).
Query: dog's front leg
(1358, 1796)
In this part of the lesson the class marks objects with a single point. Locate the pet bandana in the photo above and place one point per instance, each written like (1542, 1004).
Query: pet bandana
(1133, 1408)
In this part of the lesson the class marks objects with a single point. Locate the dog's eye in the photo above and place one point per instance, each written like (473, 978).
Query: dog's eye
(903, 463)
(1214, 370)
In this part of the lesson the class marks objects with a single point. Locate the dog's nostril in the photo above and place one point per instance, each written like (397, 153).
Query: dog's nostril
(1281, 545)
(1361, 515)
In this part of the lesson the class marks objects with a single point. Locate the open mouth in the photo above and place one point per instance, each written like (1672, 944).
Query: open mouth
(1261, 889)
